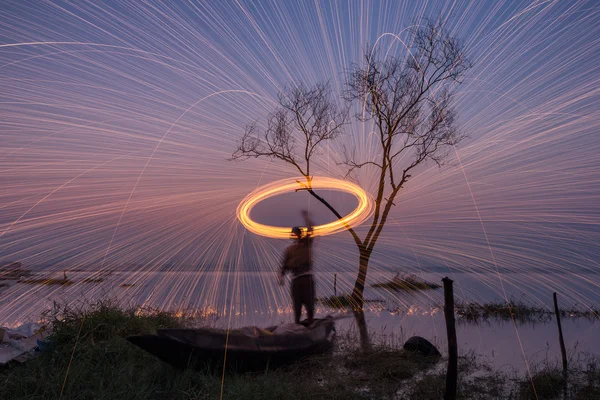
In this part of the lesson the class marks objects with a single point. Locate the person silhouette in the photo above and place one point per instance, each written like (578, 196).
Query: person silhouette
(297, 260)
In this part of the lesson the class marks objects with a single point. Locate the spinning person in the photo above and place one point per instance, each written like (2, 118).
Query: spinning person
(297, 260)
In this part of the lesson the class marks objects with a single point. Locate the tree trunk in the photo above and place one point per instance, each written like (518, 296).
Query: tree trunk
(361, 322)
(358, 300)
(359, 285)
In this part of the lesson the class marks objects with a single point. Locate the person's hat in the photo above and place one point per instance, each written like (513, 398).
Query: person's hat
(297, 231)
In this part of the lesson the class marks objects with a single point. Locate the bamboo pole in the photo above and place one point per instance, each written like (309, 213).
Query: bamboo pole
(452, 372)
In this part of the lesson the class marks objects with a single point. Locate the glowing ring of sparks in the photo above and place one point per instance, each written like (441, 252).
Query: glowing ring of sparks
(363, 210)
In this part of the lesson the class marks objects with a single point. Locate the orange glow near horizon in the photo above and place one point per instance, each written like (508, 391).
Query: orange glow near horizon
(363, 210)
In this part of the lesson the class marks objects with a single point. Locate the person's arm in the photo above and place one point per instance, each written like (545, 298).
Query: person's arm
(308, 223)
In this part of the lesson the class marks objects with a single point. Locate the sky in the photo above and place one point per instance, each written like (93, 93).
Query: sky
(118, 119)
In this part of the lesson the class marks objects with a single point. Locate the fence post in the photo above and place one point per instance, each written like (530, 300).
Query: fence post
(335, 284)
(560, 335)
(452, 372)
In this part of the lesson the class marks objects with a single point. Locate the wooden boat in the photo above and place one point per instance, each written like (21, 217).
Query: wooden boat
(246, 349)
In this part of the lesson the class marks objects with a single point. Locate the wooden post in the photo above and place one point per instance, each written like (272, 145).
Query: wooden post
(335, 284)
(452, 372)
(560, 335)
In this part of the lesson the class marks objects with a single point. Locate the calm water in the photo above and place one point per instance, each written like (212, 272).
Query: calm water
(255, 299)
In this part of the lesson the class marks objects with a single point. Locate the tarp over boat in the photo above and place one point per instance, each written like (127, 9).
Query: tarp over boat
(249, 348)
(18, 344)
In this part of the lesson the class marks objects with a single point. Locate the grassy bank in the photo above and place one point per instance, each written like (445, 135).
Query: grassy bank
(92, 360)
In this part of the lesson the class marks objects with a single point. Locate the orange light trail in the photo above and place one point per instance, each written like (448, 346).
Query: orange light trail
(363, 210)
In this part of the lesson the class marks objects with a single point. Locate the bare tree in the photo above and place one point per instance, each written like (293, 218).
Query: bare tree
(409, 101)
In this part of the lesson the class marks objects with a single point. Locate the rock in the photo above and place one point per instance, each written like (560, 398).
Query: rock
(422, 346)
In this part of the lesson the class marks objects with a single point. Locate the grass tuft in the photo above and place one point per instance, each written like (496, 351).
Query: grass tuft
(546, 384)
(47, 281)
(93, 280)
(407, 282)
(343, 301)
(13, 271)
(521, 312)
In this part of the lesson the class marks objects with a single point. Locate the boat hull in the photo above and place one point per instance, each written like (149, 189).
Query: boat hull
(211, 349)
